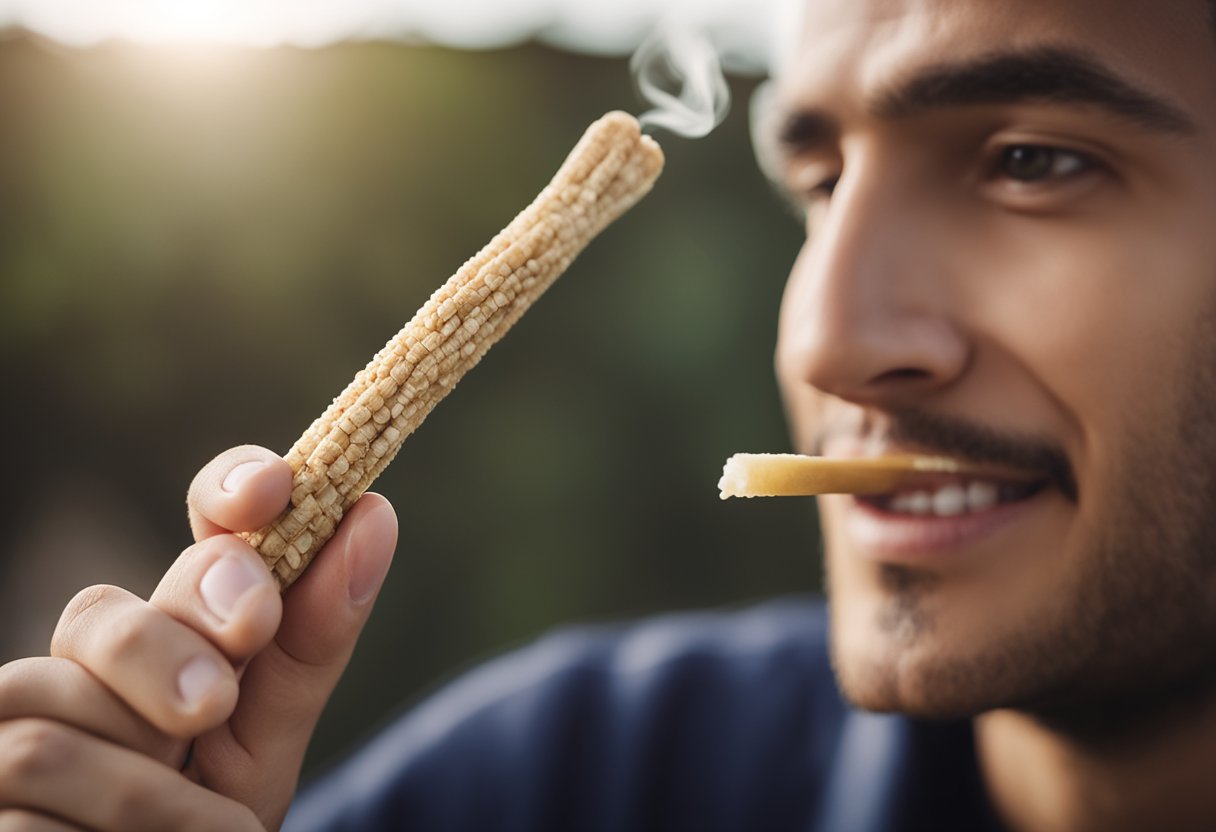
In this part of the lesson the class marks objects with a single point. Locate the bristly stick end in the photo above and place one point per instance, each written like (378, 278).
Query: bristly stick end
(734, 479)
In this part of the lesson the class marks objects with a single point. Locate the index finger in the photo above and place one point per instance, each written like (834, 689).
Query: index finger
(241, 490)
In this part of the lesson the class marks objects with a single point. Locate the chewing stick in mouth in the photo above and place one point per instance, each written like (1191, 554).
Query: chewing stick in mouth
(335, 461)
(793, 475)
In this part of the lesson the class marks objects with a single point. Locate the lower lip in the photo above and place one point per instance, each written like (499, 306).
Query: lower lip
(921, 538)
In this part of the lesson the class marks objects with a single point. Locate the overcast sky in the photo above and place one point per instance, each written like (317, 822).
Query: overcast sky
(742, 29)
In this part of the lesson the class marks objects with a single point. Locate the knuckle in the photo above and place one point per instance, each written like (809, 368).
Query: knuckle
(84, 604)
(17, 678)
(11, 676)
(90, 597)
(128, 635)
(33, 749)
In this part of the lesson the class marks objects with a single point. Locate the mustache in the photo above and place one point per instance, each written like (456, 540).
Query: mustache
(974, 442)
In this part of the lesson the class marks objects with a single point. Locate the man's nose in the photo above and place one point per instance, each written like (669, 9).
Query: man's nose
(869, 313)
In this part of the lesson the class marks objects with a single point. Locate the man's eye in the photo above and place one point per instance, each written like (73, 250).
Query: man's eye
(1036, 163)
(825, 187)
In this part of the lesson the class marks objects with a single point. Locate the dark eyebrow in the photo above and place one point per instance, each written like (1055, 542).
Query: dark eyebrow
(806, 129)
(1046, 74)
(1052, 75)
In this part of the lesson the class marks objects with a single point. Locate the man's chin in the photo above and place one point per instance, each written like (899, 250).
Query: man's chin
(914, 680)
(886, 688)
(921, 647)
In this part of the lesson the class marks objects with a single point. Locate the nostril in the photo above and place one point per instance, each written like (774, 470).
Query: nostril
(902, 374)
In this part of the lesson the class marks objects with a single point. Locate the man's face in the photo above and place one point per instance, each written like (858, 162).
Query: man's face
(1011, 258)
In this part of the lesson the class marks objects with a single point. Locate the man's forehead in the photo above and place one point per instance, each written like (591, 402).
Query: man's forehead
(856, 45)
(810, 17)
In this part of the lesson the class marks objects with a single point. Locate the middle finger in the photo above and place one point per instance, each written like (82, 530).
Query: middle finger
(169, 674)
(63, 691)
(52, 768)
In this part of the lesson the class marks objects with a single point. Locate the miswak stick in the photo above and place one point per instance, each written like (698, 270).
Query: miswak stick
(793, 475)
(336, 459)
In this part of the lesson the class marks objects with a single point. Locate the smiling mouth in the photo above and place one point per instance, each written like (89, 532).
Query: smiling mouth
(953, 497)
(929, 519)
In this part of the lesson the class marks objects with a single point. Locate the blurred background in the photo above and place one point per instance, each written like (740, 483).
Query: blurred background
(205, 231)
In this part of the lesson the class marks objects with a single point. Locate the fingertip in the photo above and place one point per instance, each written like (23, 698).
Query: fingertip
(260, 611)
(241, 489)
(221, 588)
(370, 548)
(376, 510)
(207, 693)
(243, 600)
(265, 488)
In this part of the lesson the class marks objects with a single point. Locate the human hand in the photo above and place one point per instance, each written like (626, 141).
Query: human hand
(94, 735)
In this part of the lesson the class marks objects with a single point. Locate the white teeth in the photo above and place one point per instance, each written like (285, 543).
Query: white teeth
(920, 502)
(916, 502)
(902, 503)
(981, 495)
(949, 501)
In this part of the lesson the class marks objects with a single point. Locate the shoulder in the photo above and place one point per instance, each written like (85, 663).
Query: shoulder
(751, 646)
(615, 717)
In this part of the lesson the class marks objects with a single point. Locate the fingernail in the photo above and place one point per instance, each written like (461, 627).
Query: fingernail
(369, 552)
(240, 473)
(226, 583)
(197, 679)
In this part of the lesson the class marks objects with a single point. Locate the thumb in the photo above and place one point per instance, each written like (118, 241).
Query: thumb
(256, 757)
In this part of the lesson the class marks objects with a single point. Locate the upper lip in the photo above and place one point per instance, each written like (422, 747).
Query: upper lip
(977, 469)
(1010, 451)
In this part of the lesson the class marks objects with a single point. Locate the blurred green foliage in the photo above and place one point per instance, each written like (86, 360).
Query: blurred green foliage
(198, 247)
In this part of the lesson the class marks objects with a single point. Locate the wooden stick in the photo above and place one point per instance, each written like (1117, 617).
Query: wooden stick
(792, 475)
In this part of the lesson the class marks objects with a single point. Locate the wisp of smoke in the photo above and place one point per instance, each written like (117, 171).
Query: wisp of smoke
(677, 70)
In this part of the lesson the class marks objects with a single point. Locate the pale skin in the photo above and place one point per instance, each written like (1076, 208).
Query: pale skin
(94, 736)
(999, 266)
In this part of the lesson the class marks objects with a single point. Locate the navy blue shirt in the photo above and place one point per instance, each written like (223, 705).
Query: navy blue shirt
(713, 721)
